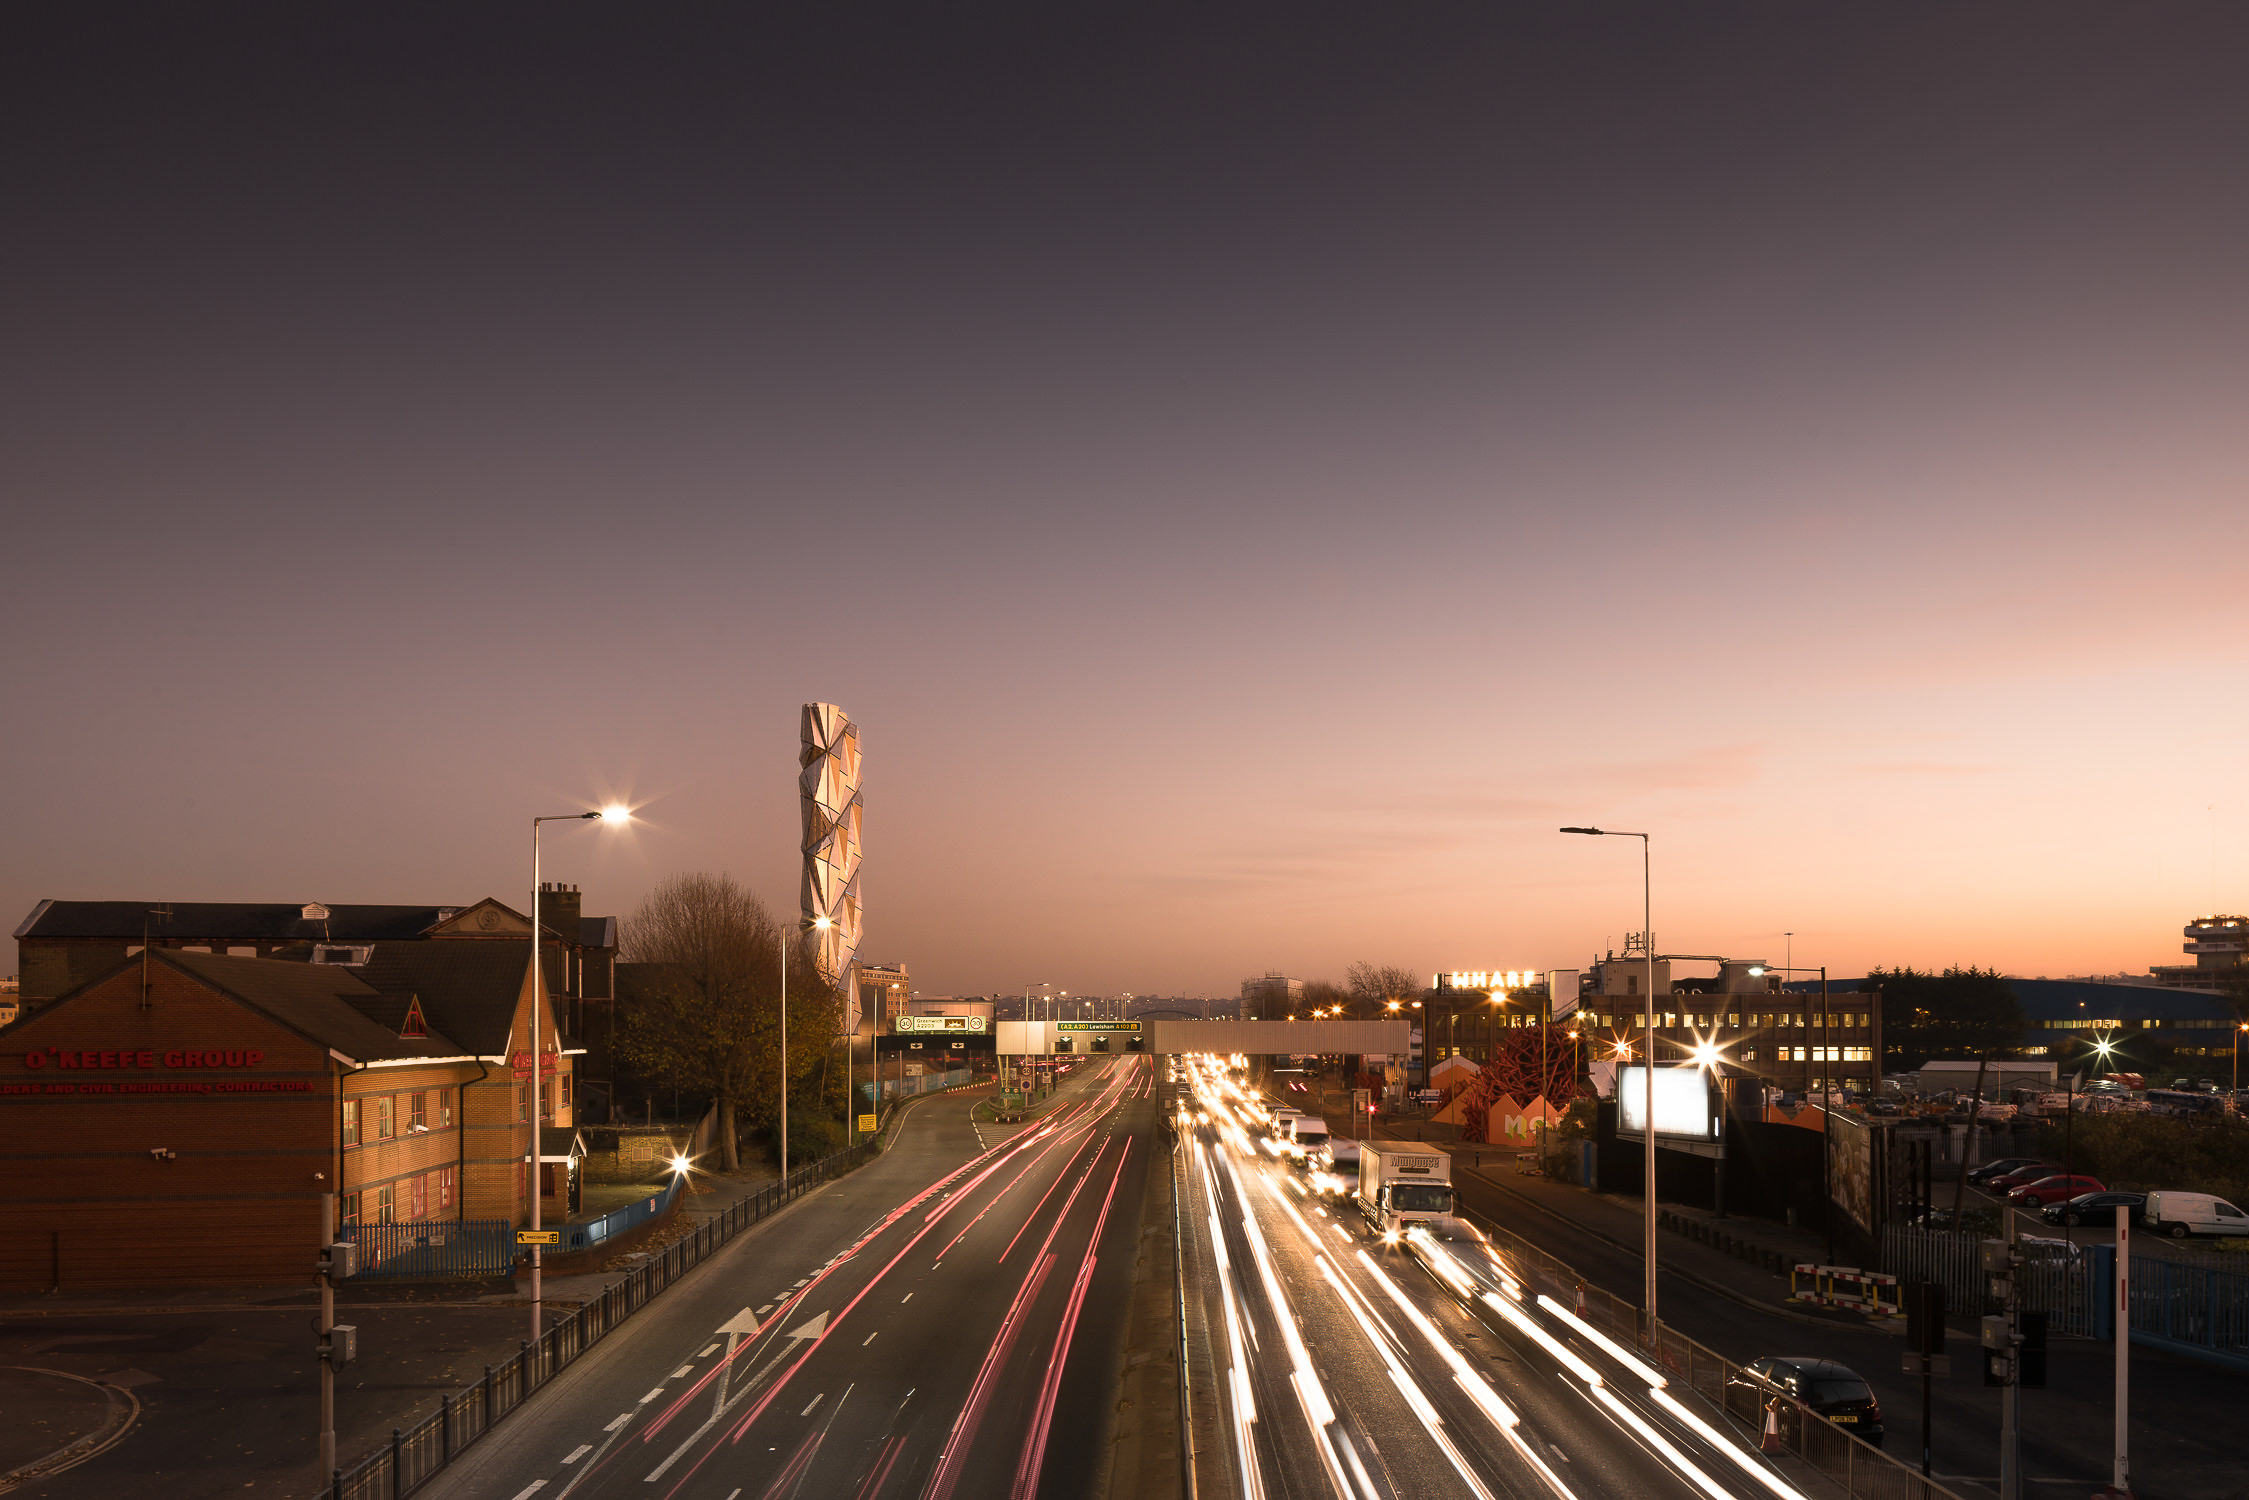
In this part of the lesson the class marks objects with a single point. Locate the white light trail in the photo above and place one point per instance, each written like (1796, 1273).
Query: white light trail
(1616, 1351)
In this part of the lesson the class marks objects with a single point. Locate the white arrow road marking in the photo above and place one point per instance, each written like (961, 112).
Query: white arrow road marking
(811, 1330)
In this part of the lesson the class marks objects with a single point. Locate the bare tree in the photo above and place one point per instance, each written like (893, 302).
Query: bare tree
(1374, 986)
(707, 1012)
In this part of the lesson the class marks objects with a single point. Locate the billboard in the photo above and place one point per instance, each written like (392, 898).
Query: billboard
(1686, 1102)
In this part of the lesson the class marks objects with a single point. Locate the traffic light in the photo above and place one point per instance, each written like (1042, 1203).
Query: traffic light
(2030, 1362)
(1924, 1317)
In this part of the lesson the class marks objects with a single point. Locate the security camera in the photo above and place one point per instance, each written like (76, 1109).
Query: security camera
(162, 1153)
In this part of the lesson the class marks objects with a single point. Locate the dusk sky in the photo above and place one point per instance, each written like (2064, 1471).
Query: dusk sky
(1252, 473)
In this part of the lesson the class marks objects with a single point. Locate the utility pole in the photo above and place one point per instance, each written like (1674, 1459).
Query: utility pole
(337, 1344)
(2120, 1483)
(2002, 1263)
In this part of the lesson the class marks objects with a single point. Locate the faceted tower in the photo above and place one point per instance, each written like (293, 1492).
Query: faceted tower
(829, 781)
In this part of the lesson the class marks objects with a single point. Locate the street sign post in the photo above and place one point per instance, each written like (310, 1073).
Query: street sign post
(539, 1237)
(867, 1124)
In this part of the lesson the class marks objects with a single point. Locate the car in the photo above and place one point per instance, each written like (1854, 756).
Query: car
(2181, 1214)
(2055, 1189)
(2006, 1182)
(2000, 1168)
(2093, 1208)
(1826, 1386)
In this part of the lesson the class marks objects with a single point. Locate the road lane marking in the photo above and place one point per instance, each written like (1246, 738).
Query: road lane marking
(683, 1372)
(624, 1416)
(531, 1489)
(761, 1312)
(902, 1301)
(870, 1338)
(705, 1352)
(579, 1452)
(652, 1395)
(816, 1400)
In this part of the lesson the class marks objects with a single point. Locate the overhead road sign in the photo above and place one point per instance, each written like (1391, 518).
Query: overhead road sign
(972, 1024)
(1130, 1028)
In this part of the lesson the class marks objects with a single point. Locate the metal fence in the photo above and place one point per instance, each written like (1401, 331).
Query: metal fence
(588, 1235)
(431, 1248)
(415, 1453)
(1860, 1468)
(927, 1083)
(2060, 1280)
(2191, 1309)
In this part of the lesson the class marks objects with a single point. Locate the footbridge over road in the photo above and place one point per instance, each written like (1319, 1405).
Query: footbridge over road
(1164, 1034)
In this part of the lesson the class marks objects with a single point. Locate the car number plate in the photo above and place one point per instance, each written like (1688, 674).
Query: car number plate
(1843, 1419)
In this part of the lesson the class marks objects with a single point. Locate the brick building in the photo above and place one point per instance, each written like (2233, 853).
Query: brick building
(177, 1118)
(62, 944)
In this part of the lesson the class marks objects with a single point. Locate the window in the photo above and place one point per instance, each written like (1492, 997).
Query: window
(445, 1109)
(386, 1119)
(1631, 982)
(1749, 1054)
(445, 1185)
(386, 1206)
(417, 1206)
(417, 1111)
(563, 1083)
(351, 1122)
(546, 1099)
(1733, 1018)
(349, 1204)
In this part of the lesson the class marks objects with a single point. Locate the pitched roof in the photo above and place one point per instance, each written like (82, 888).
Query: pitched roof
(329, 1004)
(468, 990)
(219, 921)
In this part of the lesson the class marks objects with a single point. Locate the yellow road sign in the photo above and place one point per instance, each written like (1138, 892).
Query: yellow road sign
(538, 1237)
(866, 1122)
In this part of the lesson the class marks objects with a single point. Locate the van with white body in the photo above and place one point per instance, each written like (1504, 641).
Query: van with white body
(2181, 1214)
(1283, 1120)
(1401, 1184)
(1305, 1136)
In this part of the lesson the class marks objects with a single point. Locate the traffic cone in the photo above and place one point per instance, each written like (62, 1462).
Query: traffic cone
(1581, 1299)
(1770, 1442)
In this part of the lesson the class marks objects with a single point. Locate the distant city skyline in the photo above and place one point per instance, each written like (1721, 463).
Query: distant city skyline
(1251, 476)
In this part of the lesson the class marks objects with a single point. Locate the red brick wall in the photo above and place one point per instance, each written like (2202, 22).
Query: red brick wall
(239, 1201)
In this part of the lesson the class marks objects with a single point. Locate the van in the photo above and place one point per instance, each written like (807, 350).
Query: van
(2181, 1214)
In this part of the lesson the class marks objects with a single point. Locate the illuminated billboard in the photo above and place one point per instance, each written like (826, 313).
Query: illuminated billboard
(1686, 1103)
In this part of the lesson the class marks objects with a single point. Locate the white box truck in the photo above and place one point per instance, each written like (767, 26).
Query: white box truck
(1401, 1184)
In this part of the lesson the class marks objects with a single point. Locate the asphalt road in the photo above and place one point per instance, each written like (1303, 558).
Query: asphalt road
(944, 1322)
(1350, 1367)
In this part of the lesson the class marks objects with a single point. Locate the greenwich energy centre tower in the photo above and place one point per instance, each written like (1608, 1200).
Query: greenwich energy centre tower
(828, 778)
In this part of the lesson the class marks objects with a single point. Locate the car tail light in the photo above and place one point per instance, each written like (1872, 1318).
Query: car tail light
(1874, 1411)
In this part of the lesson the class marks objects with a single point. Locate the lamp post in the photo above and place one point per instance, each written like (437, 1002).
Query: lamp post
(817, 924)
(1036, 1062)
(1648, 1032)
(614, 816)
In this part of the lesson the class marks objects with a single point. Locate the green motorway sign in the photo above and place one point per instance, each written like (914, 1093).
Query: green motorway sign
(1130, 1027)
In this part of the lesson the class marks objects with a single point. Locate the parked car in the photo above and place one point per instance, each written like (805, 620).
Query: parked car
(2181, 1214)
(1833, 1390)
(2006, 1182)
(2093, 1208)
(1987, 1171)
(2055, 1189)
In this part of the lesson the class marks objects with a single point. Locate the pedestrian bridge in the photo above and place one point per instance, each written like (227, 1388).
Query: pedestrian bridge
(1164, 1034)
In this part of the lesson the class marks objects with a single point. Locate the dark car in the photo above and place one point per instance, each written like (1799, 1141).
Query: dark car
(2000, 1168)
(2093, 1208)
(2006, 1182)
(1831, 1389)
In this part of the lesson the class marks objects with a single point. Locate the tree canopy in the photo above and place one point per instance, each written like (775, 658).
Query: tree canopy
(705, 1010)
(1961, 1013)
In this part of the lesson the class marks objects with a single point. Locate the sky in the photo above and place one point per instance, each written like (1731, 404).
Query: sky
(1253, 472)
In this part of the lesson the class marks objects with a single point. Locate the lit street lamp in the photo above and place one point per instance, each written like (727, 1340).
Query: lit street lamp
(817, 924)
(1648, 1028)
(615, 816)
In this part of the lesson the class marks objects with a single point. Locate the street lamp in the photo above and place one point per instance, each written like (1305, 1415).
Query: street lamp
(817, 924)
(1648, 1030)
(615, 816)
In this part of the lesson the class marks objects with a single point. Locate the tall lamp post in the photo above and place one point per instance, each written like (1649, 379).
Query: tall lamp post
(614, 816)
(817, 924)
(1648, 1063)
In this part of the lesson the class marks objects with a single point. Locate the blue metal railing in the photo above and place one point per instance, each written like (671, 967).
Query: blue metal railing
(432, 1248)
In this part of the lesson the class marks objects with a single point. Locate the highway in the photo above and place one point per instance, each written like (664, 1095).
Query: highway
(945, 1322)
(1332, 1363)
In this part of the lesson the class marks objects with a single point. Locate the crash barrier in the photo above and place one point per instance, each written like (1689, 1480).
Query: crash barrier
(416, 1453)
(1846, 1287)
(1770, 1421)
(1718, 1237)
